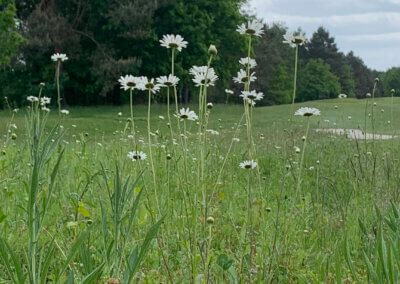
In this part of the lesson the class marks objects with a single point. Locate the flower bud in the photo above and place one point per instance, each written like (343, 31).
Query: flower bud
(210, 220)
(212, 50)
(210, 105)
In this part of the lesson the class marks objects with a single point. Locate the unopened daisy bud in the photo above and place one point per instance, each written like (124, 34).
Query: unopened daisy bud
(210, 220)
(268, 209)
(212, 50)
(3, 152)
(120, 114)
(42, 84)
(377, 80)
(317, 162)
(392, 91)
(374, 104)
(388, 122)
(14, 136)
(349, 117)
(86, 134)
(303, 138)
(336, 107)
(210, 105)
(368, 95)
(297, 149)
(382, 110)
(169, 157)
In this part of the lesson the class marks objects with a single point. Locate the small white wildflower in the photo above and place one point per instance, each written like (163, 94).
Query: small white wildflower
(59, 57)
(307, 111)
(137, 155)
(248, 62)
(252, 28)
(167, 81)
(129, 82)
(173, 41)
(250, 164)
(187, 114)
(65, 112)
(242, 77)
(33, 99)
(294, 40)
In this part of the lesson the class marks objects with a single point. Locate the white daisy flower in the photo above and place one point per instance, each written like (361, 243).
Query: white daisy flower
(59, 57)
(250, 164)
(167, 81)
(129, 82)
(248, 62)
(137, 155)
(342, 96)
(173, 41)
(187, 114)
(294, 40)
(252, 95)
(148, 84)
(65, 112)
(253, 27)
(212, 132)
(32, 99)
(203, 76)
(44, 101)
(242, 77)
(307, 111)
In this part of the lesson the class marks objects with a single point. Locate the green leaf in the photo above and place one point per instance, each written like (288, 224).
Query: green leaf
(137, 257)
(94, 275)
(224, 262)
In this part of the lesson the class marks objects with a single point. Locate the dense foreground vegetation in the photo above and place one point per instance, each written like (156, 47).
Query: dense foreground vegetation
(102, 209)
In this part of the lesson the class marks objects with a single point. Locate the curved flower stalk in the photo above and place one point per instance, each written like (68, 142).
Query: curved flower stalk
(131, 83)
(307, 112)
(58, 58)
(294, 41)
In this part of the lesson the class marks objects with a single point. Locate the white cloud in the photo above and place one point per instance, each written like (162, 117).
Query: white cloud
(368, 27)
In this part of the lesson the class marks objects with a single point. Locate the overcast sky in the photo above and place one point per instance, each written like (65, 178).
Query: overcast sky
(371, 28)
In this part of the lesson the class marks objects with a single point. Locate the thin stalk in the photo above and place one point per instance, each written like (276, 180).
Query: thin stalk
(150, 151)
(302, 158)
(58, 87)
(294, 80)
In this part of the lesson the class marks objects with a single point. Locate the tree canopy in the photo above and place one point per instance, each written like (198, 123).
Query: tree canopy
(105, 39)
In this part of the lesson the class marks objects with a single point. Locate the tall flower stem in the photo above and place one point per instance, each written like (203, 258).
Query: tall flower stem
(58, 86)
(302, 159)
(150, 151)
(131, 107)
(296, 58)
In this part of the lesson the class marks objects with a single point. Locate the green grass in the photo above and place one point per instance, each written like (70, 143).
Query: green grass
(311, 239)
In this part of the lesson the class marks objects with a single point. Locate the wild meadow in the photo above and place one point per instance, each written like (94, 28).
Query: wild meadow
(204, 193)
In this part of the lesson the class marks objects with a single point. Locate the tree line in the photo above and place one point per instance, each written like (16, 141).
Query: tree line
(105, 39)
